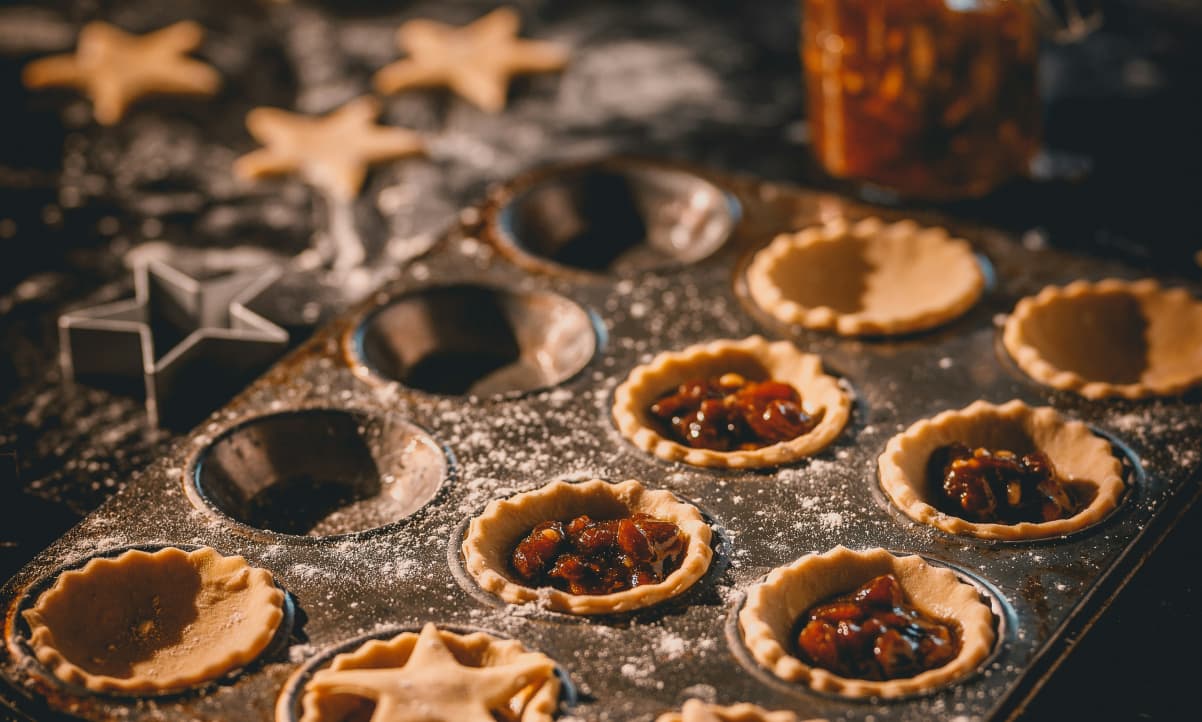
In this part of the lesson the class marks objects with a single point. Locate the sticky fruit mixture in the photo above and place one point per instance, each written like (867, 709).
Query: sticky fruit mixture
(730, 412)
(587, 556)
(998, 486)
(874, 634)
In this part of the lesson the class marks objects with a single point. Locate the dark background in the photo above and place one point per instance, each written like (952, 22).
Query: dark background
(705, 81)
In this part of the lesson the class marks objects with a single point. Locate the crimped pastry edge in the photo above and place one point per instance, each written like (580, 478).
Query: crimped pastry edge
(775, 603)
(1031, 361)
(502, 517)
(769, 297)
(268, 601)
(803, 371)
(1037, 422)
(740, 712)
(540, 708)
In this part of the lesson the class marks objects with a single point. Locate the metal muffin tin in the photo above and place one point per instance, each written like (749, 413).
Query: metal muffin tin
(503, 298)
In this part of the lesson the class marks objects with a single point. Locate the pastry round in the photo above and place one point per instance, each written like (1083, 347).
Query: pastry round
(754, 358)
(153, 622)
(769, 617)
(1082, 459)
(1110, 338)
(436, 675)
(492, 536)
(866, 278)
(694, 710)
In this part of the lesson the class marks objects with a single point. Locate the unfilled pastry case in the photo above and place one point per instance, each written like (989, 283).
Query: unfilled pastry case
(413, 467)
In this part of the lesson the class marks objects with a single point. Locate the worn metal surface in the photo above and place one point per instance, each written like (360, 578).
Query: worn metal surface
(634, 667)
(710, 81)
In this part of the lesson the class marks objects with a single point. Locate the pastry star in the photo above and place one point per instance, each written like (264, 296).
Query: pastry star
(116, 68)
(433, 686)
(331, 152)
(476, 61)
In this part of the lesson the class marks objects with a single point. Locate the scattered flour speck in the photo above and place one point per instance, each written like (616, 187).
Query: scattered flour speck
(831, 520)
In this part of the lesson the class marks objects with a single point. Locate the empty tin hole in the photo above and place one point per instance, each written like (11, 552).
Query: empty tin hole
(477, 340)
(321, 472)
(618, 217)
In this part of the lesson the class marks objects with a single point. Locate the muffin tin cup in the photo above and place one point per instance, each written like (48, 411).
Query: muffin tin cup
(846, 436)
(1005, 623)
(612, 217)
(474, 339)
(319, 473)
(1134, 480)
(721, 546)
(18, 633)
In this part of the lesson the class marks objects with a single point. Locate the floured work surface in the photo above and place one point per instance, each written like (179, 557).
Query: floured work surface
(638, 666)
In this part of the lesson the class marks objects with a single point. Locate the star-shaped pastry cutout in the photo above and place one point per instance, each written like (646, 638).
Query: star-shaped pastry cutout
(115, 68)
(331, 152)
(476, 61)
(433, 686)
(190, 342)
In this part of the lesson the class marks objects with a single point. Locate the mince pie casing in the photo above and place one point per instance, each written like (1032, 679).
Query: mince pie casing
(768, 619)
(152, 622)
(1084, 461)
(866, 278)
(754, 358)
(1130, 339)
(493, 535)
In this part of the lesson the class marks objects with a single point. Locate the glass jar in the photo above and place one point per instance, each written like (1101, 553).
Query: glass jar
(927, 99)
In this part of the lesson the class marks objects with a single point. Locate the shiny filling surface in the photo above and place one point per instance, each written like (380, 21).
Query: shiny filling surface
(732, 413)
(587, 556)
(998, 486)
(874, 634)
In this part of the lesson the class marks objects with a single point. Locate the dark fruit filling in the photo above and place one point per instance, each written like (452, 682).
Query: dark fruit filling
(874, 634)
(584, 556)
(730, 412)
(998, 486)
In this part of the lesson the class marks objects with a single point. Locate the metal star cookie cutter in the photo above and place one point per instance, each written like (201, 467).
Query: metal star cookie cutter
(193, 342)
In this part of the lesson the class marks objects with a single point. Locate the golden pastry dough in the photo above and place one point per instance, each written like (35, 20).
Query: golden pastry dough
(769, 617)
(753, 357)
(866, 278)
(694, 710)
(145, 622)
(493, 535)
(1111, 338)
(475, 61)
(116, 68)
(437, 676)
(1084, 461)
(332, 152)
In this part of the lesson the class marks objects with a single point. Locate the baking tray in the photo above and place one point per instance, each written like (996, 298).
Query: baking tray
(354, 584)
